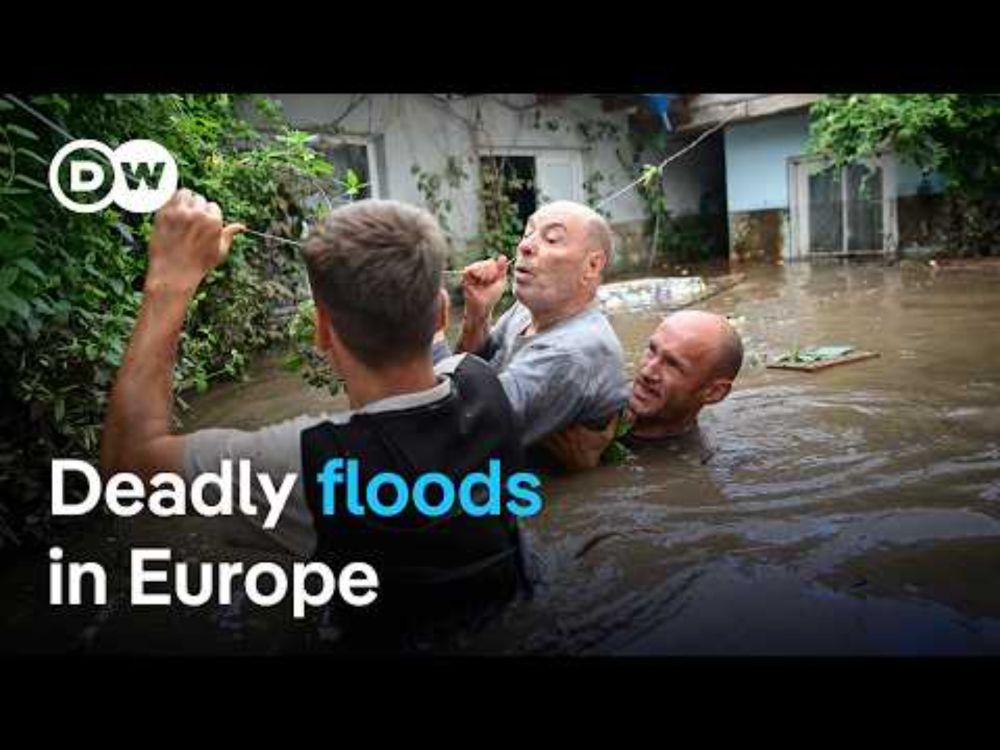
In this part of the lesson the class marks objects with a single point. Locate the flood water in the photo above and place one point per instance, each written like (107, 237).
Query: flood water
(855, 510)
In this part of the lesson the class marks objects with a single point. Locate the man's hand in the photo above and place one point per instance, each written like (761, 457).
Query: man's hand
(483, 284)
(445, 302)
(577, 447)
(188, 241)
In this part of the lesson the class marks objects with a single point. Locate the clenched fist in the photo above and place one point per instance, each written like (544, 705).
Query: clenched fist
(483, 284)
(188, 241)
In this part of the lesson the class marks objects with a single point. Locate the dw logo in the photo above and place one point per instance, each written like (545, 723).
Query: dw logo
(143, 176)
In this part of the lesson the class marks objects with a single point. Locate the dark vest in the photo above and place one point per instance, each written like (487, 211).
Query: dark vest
(426, 566)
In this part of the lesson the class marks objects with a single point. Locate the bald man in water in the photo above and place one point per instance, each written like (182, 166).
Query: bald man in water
(689, 363)
(558, 359)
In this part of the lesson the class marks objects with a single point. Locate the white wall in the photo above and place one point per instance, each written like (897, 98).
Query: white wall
(420, 129)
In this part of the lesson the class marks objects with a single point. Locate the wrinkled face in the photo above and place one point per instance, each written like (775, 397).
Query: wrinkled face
(553, 266)
(673, 373)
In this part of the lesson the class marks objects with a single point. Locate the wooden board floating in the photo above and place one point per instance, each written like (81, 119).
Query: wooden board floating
(855, 356)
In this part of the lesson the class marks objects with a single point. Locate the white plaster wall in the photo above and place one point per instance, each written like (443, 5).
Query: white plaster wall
(420, 129)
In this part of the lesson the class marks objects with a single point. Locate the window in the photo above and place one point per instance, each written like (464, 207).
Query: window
(514, 177)
(841, 211)
(532, 177)
(349, 153)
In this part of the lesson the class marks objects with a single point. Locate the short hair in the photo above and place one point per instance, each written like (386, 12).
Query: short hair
(729, 359)
(599, 234)
(376, 266)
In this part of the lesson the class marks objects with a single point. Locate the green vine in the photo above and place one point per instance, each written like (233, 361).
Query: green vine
(71, 284)
(304, 359)
(431, 185)
(956, 135)
(499, 224)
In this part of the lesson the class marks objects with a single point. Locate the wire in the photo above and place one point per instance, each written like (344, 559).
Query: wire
(602, 202)
(35, 113)
(275, 237)
(666, 161)
(40, 116)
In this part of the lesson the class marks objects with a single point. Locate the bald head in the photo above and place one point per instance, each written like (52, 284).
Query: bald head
(598, 232)
(561, 260)
(715, 334)
(690, 362)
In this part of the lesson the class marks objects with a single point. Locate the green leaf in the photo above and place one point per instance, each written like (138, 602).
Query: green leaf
(30, 181)
(23, 132)
(15, 304)
(293, 362)
(30, 267)
(5, 106)
(28, 152)
(8, 276)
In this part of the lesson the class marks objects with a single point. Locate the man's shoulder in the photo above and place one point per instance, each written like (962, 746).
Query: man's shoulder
(594, 319)
(450, 364)
(273, 448)
(273, 434)
(588, 335)
(511, 321)
(464, 367)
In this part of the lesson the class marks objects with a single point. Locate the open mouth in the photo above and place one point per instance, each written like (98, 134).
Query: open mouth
(643, 393)
(521, 273)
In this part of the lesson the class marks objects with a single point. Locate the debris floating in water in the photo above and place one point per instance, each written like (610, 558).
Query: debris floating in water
(666, 292)
(816, 358)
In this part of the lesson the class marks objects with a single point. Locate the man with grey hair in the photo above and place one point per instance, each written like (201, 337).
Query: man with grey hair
(559, 360)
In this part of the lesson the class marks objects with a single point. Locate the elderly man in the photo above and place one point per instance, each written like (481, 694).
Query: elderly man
(559, 361)
(690, 362)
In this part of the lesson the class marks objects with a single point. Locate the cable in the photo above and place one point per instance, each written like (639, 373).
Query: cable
(38, 115)
(602, 202)
(666, 161)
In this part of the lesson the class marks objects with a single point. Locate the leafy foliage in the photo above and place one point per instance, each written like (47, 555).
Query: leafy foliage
(956, 135)
(70, 284)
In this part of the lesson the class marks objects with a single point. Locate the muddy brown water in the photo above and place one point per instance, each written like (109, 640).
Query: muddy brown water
(851, 511)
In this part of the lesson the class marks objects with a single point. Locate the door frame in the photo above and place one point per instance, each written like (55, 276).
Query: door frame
(798, 194)
(571, 155)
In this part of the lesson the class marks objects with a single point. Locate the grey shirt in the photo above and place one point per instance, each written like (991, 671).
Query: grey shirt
(571, 373)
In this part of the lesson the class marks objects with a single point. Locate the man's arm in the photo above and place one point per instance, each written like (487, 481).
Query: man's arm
(188, 241)
(547, 389)
(483, 284)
